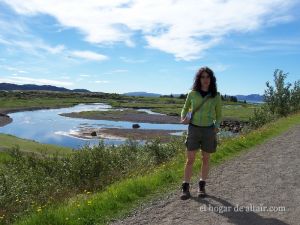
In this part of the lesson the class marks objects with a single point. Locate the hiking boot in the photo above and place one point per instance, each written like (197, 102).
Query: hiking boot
(201, 189)
(185, 191)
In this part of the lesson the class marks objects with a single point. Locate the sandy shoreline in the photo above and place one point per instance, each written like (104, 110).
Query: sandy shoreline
(132, 117)
(116, 133)
(112, 133)
(124, 133)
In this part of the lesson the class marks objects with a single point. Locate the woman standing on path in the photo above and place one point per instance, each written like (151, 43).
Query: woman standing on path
(202, 128)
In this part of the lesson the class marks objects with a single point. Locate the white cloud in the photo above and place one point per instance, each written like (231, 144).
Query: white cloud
(84, 75)
(101, 81)
(22, 71)
(88, 55)
(34, 46)
(29, 80)
(184, 28)
(29, 44)
(220, 67)
(19, 37)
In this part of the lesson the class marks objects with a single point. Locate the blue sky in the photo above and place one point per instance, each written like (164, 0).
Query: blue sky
(155, 46)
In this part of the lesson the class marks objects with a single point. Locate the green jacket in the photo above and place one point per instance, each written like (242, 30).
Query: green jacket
(209, 114)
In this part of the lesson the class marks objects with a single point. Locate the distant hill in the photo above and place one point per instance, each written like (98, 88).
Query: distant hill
(250, 98)
(33, 87)
(144, 94)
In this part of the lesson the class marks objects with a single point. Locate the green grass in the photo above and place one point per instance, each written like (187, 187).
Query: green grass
(242, 112)
(119, 198)
(236, 111)
(8, 141)
(165, 105)
(4, 157)
(109, 112)
(13, 103)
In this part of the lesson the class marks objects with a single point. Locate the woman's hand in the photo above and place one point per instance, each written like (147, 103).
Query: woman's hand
(184, 120)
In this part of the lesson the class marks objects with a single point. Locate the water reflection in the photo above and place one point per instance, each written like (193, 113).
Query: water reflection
(47, 126)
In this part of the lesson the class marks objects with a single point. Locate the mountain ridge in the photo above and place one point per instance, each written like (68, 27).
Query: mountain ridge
(34, 87)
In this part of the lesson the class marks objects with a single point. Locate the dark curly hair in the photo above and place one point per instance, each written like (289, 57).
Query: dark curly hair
(212, 86)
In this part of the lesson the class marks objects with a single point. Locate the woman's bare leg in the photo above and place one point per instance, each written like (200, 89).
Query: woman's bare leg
(205, 165)
(189, 165)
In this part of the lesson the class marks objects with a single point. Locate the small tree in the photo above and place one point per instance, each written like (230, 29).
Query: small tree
(295, 97)
(278, 98)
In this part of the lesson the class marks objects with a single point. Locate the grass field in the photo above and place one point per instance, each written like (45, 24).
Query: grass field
(28, 99)
(119, 198)
(166, 105)
(9, 141)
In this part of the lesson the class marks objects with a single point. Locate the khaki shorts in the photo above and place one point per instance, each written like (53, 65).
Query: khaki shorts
(201, 137)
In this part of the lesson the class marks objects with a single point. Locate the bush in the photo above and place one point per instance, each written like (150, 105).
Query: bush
(29, 181)
(261, 116)
(280, 100)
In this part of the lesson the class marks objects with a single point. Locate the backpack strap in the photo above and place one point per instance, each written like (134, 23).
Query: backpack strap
(202, 103)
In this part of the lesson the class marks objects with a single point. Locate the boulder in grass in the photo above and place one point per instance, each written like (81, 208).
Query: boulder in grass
(135, 125)
(94, 133)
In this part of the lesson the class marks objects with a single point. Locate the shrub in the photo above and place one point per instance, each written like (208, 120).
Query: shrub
(261, 116)
(32, 180)
(281, 99)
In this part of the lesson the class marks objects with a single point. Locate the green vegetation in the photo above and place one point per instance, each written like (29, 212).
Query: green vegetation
(110, 112)
(8, 141)
(240, 111)
(32, 180)
(118, 198)
(41, 185)
(4, 157)
(280, 100)
(27, 99)
(165, 105)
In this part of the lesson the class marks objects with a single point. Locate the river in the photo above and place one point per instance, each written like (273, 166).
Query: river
(47, 126)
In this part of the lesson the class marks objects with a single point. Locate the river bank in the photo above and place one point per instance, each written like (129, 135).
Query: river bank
(4, 119)
(123, 133)
(125, 115)
(137, 130)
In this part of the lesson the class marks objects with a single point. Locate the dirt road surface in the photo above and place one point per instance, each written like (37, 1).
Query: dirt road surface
(265, 181)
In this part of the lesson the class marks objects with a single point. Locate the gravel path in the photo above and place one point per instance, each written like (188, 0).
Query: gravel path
(267, 176)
